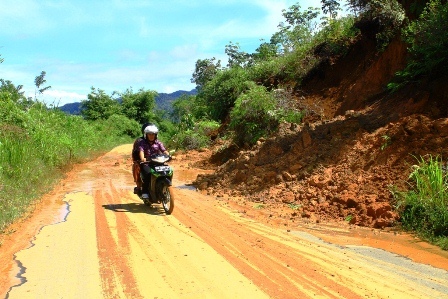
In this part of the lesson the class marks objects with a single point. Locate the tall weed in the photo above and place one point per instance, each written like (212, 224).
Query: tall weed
(37, 145)
(425, 207)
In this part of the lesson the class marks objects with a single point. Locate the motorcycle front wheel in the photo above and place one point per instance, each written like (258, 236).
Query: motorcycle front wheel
(166, 197)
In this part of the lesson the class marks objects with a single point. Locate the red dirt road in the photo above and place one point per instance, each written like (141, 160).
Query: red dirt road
(92, 238)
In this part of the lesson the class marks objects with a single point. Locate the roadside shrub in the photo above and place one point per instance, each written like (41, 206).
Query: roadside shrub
(190, 140)
(258, 113)
(196, 137)
(206, 127)
(166, 131)
(267, 73)
(120, 125)
(253, 115)
(297, 64)
(221, 92)
(391, 16)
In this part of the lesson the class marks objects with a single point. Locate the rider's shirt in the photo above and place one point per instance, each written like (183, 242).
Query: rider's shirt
(151, 148)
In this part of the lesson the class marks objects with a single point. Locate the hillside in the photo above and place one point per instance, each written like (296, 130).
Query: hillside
(356, 146)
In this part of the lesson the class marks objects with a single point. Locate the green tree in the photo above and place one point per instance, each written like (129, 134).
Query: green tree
(298, 29)
(99, 105)
(16, 93)
(331, 7)
(266, 51)
(236, 56)
(204, 71)
(428, 42)
(297, 18)
(39, 81)
(383, 18)
(183, 110)
(139, 106)
(357, 6)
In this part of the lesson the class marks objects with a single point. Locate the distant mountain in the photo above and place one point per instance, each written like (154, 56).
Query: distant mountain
(71, 108)
(163, 102)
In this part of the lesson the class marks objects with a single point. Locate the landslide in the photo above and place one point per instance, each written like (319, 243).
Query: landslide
(356, 145)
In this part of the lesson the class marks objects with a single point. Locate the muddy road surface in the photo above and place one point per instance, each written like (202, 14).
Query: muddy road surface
(91, 237)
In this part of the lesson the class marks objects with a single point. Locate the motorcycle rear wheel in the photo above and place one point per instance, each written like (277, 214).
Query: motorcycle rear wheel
(166, 197)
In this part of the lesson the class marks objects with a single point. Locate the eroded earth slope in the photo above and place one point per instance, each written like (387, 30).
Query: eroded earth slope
(355, 148)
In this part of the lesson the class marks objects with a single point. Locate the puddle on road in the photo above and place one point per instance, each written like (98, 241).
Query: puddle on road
(186, 187)
(63, 212)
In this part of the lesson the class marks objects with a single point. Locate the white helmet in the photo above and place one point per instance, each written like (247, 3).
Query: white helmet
(151, 129)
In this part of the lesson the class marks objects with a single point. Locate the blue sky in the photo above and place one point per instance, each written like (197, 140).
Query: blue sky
(118, 44)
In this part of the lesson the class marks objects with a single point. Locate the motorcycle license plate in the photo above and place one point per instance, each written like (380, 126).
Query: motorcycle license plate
(162, 168)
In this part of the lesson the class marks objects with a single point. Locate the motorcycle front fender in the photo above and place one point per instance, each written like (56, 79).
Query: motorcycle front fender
(152, 188)
(168, 181)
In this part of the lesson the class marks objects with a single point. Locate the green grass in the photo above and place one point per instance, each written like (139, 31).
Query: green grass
(294, 206)
(36, 151)
(424, 208)
(386, 142)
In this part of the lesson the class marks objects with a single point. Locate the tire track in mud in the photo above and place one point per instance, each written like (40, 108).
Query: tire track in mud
(365, 266)
(155, 248)
(286, 265)
(117, 277)
(279, 273)
(159, 249)
(112, 252)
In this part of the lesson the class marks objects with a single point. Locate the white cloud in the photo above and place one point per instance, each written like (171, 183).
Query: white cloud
(64, 94)
(61, 97)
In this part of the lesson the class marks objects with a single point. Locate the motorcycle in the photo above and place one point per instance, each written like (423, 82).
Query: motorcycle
(161, 182)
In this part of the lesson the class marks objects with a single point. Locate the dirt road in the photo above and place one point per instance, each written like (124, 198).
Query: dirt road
(92, 238)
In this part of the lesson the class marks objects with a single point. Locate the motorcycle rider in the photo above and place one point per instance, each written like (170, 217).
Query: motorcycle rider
(136, 159)
(147, 147)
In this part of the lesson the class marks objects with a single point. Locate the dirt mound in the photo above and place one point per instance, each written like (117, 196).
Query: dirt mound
(335, 170)
(353, 150)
